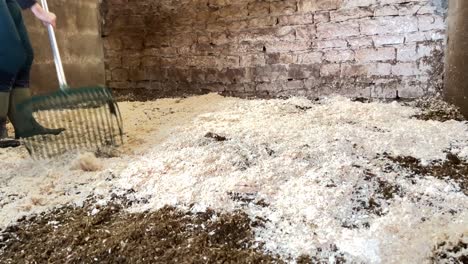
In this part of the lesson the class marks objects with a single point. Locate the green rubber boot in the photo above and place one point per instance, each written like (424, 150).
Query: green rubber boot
(5, 142)
(24, 123)
(3, 129)
(4, 102)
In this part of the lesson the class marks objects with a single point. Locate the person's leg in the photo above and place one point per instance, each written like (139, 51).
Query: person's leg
(4, 98)
(12, 58)
(23, 75)
(24, 123)
(12, 54)
(5, 142)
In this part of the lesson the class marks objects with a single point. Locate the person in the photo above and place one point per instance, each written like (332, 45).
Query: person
(16, 58)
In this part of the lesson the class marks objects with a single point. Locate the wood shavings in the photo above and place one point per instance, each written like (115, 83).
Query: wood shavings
(87, 162)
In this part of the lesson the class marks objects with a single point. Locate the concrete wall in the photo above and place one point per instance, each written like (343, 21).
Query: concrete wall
(79, 41)
(456, 88)
(369, 48)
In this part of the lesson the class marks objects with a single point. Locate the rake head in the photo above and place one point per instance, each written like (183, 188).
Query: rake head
(90, 116)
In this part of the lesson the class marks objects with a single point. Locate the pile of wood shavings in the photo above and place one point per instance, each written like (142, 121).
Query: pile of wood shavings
(314, 172)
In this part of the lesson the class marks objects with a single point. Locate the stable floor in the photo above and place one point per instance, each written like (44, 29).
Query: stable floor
(330, 179)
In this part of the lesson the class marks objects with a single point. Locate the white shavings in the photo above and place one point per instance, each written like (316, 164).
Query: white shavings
(287, 153)
(52, 182)
(314, 166)
(87, 162)
(460, 149)
(409, 237)
(366, 248)
(55, 183)
(95, 211)
(464, 153)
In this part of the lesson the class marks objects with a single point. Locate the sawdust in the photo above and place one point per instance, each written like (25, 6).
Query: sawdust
(58, 182)
(310, 161)
(87, 162)
(149, 123)
(309, 170)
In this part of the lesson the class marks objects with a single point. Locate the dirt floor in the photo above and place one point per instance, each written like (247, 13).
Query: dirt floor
(110, 235)
(209, 179)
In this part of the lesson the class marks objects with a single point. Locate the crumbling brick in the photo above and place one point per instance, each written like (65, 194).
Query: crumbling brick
(380, 54)
(274, 48)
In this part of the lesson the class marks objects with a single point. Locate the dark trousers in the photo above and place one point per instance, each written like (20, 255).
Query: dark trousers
(16, 52)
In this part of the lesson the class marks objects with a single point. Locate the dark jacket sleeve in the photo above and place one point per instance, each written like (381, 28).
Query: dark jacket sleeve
(25, 4)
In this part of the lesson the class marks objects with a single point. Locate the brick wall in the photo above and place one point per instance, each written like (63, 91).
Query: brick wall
(366, 48)
(79, 41)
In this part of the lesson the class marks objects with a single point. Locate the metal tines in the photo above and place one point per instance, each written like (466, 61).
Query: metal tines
(90, 117)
